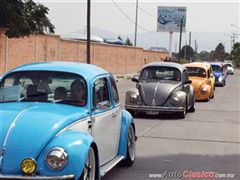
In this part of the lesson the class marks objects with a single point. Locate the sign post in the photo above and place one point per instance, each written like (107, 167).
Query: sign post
(171, 19)
(170, 44)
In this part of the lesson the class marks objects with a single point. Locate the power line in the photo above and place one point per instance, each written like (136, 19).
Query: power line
(150, 14)
(130, 18)
(147, 12)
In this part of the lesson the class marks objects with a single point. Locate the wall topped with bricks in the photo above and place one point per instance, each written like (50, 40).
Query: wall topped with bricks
(35, 48)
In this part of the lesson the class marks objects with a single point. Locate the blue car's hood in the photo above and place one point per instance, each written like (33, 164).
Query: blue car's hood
(217, 74)
(33, 126)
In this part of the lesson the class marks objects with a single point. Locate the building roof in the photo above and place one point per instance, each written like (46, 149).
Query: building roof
(166, 64)
(88, 71)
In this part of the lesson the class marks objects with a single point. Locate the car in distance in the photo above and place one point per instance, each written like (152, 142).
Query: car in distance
(62, 120)
(202, 79)
(219, 73)
(230, 69)
(161, 87)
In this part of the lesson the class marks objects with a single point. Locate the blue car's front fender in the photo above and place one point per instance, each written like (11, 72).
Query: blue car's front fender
(76, 145)
(127, 120)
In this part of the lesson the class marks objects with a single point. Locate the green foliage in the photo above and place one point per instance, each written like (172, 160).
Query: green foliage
(219, 52)
(203, 55)
(236, 54)
(24, 17)
(128, 42)
(187, 52)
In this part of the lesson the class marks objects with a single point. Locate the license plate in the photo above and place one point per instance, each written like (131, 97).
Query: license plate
(152, 112)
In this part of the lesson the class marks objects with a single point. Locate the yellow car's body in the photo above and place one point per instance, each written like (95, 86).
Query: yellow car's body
(201, 75)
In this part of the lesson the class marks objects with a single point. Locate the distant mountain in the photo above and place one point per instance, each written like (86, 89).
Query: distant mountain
(205, 40)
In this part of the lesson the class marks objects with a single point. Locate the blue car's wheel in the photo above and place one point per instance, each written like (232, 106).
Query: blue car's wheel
(131, 149)
(89, 171)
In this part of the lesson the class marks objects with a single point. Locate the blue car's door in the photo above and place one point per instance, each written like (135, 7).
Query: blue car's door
(106, 120)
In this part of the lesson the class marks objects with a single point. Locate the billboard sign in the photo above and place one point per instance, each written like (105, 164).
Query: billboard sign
(169, 19)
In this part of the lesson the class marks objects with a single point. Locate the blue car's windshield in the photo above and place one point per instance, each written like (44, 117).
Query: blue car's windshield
(44, 86)
(217, 68)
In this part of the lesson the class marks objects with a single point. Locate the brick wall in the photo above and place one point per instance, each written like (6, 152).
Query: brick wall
(116, 59)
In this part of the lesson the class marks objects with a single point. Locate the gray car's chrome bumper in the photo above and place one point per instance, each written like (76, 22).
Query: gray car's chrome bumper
(36, 177)
(154, 108)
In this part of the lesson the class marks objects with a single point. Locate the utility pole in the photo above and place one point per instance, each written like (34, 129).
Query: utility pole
(196, 46)
(180, 40)
(89, 31)
(136, 24)
(190, 39)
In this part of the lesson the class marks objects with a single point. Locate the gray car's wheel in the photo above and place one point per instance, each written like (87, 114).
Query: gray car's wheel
(192, 109)
(131, 149)
(182, 114)
(89, 171)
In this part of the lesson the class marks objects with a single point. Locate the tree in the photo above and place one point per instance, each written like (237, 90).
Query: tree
(236, 54)
(128, 42)
(219, 52)
(187, 52)
(203, 55)
(23, 17)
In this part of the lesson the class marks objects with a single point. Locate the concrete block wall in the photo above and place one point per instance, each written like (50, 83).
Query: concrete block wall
(36, 48)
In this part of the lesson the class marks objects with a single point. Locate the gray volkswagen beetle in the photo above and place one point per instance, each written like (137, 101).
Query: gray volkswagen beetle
(161, 87)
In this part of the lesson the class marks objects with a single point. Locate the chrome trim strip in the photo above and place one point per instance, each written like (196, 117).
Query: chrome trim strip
(87, 118)
(108, 166)
(13, 124)
(36, 177)
(70, 125)
(152, 108)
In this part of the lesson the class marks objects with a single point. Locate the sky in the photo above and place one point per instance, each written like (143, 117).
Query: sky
(202, 16)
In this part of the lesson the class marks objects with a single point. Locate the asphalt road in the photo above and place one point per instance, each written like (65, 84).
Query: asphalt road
(206, 140)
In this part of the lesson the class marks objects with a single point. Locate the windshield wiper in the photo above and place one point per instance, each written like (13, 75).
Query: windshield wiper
(57, 101)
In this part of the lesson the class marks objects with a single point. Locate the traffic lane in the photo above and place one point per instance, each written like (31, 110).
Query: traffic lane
(205, 140)
(155, 155)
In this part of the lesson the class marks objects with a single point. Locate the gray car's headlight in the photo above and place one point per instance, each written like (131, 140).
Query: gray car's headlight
(175, 100)
(56, 158)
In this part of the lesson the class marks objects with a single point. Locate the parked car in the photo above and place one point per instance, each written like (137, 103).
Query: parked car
(202, 78)
(219, 73)
(230, 69)
(161, 87)
(62, 120)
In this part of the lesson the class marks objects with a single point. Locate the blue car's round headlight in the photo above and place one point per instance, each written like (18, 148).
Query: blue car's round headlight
(220, 78)
(56, 158)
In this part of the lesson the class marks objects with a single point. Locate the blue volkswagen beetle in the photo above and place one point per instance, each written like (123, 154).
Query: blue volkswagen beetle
(218, 72)
(62, 120)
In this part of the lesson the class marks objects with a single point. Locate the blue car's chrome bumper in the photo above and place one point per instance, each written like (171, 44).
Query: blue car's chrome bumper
(36, 177)
(153, 108)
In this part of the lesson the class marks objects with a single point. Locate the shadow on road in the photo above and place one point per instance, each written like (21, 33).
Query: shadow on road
(144, 166)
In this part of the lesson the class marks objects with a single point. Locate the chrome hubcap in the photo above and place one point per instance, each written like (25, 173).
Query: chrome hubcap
(90, 166)
(131, 143)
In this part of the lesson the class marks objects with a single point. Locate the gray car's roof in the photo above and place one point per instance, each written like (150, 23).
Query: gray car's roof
(167, 64)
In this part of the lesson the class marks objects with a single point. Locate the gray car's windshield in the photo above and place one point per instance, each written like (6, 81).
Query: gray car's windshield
(157, 73)
(44, 86)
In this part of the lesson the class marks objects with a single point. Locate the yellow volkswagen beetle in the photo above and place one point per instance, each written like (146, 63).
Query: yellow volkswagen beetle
(202, 78)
